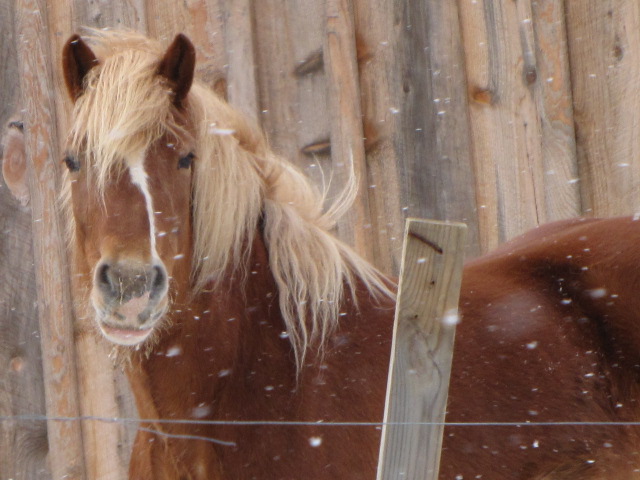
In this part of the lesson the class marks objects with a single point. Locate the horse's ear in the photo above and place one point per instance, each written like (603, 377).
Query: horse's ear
(77, 60)
(177, 66)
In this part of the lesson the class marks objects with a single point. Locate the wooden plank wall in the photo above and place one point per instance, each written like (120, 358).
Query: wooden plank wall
(501, 114)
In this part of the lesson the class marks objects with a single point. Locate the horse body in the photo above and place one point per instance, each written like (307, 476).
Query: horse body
(209, 261)
(549, 334)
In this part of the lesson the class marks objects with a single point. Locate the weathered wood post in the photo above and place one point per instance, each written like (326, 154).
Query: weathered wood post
(66, 454)
(422, 349)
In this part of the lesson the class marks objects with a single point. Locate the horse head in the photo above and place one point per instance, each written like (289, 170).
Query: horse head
(130, 184)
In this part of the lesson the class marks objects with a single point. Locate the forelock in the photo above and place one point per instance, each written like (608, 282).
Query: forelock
(125, 106)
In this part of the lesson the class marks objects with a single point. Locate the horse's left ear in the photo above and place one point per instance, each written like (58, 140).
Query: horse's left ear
(77, 60)
(177, 66)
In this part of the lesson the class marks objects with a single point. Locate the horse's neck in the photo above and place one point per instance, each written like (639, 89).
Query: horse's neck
(226, 328)
(244, 313)
(230, 343)
(235, 362)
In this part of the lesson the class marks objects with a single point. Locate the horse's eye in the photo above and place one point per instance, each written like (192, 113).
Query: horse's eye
(72, 163)
(186, 161)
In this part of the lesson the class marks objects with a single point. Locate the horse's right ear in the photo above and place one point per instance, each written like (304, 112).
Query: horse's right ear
(77, 60)
(177, 66)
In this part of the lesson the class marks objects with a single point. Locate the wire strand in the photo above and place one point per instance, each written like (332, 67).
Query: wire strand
(249, 423)
(189, 437)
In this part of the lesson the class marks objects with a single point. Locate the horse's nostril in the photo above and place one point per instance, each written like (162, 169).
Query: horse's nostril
(159, 280)
(104, 278)
(122, 281)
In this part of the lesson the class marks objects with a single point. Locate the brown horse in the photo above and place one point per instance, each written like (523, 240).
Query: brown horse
(192, 239)
(208, 259)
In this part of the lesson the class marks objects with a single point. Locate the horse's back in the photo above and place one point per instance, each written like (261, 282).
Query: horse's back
(547, 335)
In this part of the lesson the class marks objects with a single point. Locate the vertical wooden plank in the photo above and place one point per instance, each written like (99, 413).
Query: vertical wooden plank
(242, 89)
(205, 27)
(54, 304)
(23, 445)
(554, 109)
(426, 315)
(418, 102)
(437, 165)
(347, 144)
(10, 91)
(291, 82)
(604, 47)
(521, 115)
(378, 38)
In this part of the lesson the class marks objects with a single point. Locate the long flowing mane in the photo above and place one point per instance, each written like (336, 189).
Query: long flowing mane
(126, 108)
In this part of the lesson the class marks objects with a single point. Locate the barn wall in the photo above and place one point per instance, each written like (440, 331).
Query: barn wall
(502, 114)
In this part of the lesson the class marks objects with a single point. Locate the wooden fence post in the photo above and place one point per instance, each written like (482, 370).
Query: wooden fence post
(422, 349)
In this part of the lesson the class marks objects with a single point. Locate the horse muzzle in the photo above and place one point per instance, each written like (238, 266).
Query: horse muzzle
(129, 299)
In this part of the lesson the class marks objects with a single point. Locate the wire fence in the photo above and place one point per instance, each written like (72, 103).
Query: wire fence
(318, 423)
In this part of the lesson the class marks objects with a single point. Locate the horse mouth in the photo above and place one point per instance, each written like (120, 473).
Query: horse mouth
(124, 336)
(129, 297)
(128, 326)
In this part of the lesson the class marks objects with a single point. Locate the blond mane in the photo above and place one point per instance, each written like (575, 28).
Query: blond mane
(126, 107)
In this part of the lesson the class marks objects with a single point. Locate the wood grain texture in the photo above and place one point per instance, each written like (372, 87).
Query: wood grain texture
(202, 22)
(422, 349)
(427, 121)
(8, 73)
(546, 36)
(102, 440)
(109, 14)
(521, 116)
(23, 444)
(604, 46)
(433, 142)
(347, 134)
(242, 85)
(165, 19)
(66, 455)
(378, 34)
(293, 101)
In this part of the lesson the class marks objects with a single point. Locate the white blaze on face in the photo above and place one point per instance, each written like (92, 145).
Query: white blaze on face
(140, 179)
(132, 322)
